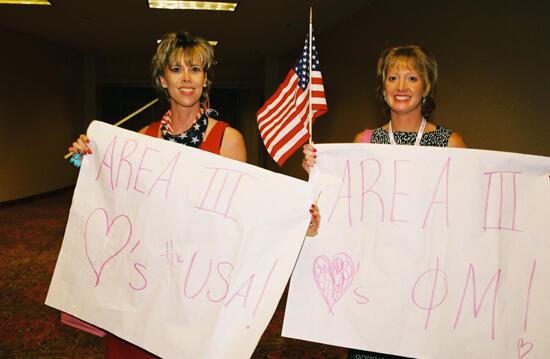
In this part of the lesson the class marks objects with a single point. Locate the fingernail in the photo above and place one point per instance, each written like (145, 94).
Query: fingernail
(310, 211)
(90, 152)
(87, 141)
(314, 150)
(314, 216)
(314, 156)
(312, 206)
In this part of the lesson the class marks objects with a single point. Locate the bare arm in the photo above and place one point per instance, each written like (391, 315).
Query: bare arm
(233, 145)
(456, 141)
(358, 137)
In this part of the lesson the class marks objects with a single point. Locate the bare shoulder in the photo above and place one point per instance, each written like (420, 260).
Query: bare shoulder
(144, 129)
(233, 145)
(358, 137)
(456, 141)
(430, 127)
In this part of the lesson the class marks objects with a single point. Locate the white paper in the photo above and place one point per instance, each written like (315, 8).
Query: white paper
(427, 252)
(177, 250)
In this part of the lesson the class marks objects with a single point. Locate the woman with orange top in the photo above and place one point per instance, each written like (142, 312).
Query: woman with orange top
(182, 72)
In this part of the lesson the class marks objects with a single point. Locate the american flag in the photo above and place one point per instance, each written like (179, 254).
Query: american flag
(283, 120)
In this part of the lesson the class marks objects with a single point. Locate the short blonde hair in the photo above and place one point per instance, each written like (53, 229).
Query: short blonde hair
(421, 60)
(172, 48)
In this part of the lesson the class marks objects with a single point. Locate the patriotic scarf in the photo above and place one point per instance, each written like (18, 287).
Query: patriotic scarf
(192, 137)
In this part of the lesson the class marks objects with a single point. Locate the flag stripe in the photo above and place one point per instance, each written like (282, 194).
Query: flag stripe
(288, 85)
(283, 120)
(282, 155)
(291, 125)
(275, 115)
(299, 119)
(291, 119)
(289, 134)
(278, 114)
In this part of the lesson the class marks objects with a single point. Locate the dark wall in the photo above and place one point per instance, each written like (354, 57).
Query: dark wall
(493, 59)
(41, 107)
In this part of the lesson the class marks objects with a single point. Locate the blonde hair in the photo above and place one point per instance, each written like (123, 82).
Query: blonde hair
(172, 48)
(421, 60)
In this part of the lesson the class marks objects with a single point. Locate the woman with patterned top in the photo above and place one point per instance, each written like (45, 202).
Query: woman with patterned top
(407, 78)
(182, 72)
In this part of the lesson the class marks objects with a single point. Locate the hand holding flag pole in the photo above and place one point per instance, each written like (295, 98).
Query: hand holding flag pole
(124, 120)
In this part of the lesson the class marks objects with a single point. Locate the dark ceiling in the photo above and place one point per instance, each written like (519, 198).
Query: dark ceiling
(111, 29)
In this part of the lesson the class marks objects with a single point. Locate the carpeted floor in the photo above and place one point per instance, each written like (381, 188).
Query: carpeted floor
(31, 232)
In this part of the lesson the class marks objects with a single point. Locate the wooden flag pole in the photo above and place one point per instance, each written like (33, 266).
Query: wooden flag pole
(310, 115)
(125, 119)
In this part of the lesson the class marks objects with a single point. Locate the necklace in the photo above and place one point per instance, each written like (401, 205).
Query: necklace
(418, 135)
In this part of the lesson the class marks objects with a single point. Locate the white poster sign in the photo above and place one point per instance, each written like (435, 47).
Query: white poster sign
(428, 253)
(177, 250)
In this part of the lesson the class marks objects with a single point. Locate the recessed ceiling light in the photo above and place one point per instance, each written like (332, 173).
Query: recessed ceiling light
(26, 2)
(192, 5)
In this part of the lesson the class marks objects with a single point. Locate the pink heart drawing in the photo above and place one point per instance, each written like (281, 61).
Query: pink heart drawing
(114, 250)
(524, 348)
(334, 277)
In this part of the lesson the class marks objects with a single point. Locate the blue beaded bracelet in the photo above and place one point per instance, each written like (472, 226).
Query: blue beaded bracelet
(75, 160)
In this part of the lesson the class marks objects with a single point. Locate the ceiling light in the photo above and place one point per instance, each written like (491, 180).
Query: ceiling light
(26, 2)
(192, 5)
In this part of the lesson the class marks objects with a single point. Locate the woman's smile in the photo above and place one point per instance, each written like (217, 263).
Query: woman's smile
(184, 83)
(403, 89)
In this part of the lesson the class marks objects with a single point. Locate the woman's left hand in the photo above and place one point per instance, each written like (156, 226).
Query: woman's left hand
(315, 222)
(309, 157)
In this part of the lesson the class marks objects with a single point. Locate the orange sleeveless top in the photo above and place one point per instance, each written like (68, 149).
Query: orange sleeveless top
(212, 143)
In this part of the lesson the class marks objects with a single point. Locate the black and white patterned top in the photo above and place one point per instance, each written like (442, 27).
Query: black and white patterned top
(437, 138)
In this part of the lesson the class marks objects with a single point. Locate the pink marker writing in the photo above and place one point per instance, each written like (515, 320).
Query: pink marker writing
(433, 300)
(477, 307)
(344, 193)
(219, 196)
(364, 167)
(496, 206)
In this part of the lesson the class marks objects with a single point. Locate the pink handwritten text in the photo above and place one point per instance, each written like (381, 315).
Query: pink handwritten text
(211, 200)
(117, 163)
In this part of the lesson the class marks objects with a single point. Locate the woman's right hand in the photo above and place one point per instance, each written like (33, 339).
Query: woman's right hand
(309, 157)
(81, 145)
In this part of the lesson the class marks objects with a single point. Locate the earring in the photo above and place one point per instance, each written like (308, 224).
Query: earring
(424, 100)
